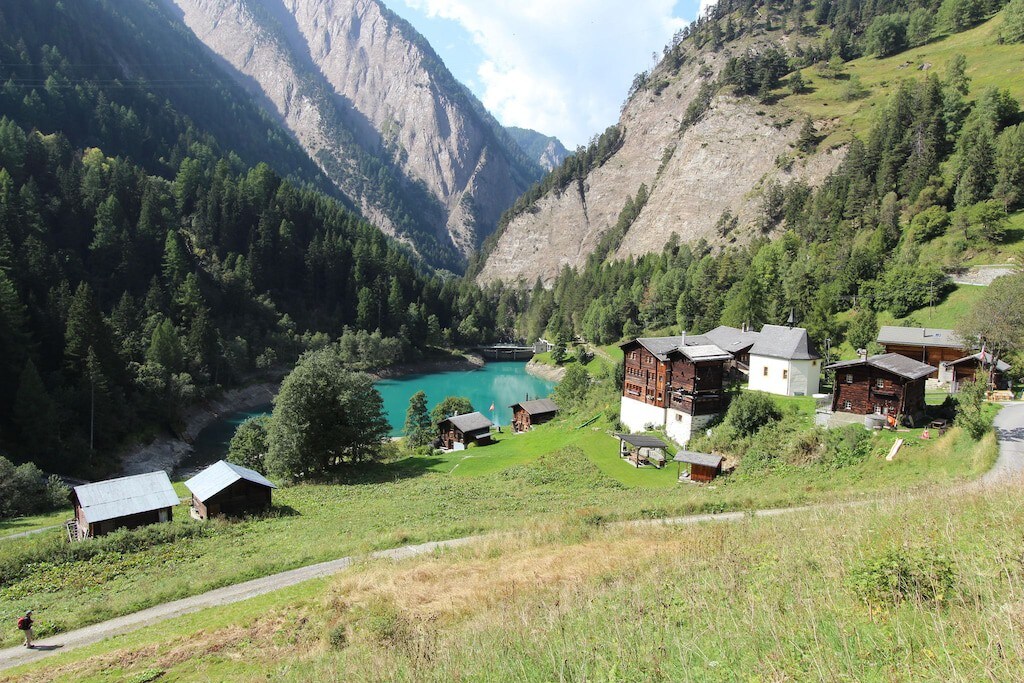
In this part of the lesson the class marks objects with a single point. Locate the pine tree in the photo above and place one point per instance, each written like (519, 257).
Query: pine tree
(165, 347)
(35, 416)
(418, 427)
(176, 261)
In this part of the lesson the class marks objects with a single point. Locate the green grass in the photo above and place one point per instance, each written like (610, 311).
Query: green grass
(766, 599)
(18, 525)
(989, 64)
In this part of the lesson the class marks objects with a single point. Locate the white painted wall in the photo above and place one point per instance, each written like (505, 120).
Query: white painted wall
(680, 427)
(636, 415)
(800, 379)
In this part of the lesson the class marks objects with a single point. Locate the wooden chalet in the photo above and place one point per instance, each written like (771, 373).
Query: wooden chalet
(529, 413)
(703, 466)
(887, 384)
(647, 368)
(928, 345)
(230, 490)
(696, 379)
(639, 450)
(967, 368)
(122, 503)
(459, 431)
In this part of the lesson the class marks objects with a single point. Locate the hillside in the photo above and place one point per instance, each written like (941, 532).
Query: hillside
(546, 150)
(373, 105)
(699, 154)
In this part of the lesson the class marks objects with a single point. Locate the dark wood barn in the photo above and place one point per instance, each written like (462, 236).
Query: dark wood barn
(459, 431)
(530, 413)
(230, 490)
(703, 466)
(932, 346)
(697, 379)
(887, 384)
(122, 503)
(967, 368)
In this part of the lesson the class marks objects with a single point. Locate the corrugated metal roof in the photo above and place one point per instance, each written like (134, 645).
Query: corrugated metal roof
(642, 441)
(221, 475)
(470, 422)
(704, 352)
(694, 458)
(125, 496)
(788, 343)
(890, 362)
(538, 406)
(919, 336)
(985, 359)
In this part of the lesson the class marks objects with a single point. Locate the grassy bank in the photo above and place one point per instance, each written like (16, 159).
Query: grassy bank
(925, 589)
(555, 473)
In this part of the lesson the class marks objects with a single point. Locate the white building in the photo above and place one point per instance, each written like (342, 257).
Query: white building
(783, 361)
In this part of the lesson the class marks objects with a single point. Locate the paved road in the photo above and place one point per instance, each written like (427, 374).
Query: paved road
(1009, 430)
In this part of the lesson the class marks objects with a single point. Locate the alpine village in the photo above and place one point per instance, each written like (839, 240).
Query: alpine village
(423, 340)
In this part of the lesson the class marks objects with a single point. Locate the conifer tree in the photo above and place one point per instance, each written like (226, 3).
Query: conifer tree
(418, 427)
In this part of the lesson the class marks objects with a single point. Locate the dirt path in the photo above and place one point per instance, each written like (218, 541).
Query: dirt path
(983, 275)
(1009, 426)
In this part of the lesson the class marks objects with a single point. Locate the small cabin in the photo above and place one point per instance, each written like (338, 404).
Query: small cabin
(888, 384)
(967, 368)
(527, 414)
(930, 345)
(704, 467)
(230, 490)
(639, 450)
(459, 431)
(122, 503)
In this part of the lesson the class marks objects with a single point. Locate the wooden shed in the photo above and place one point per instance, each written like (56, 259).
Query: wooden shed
(459, 431)
(703, 466)
(227, 489)
(122, 503)
(529, 413)
(966, 369)
(888, 384)
(638, 449)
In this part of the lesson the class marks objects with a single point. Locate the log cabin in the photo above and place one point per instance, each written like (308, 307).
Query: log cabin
(704, 467)
(459, 431)
(527, 414)
(928, 345)
(886, 384)
(122, 503)
(696, 392)
(966, 369)
(647, 375)
(230, 490)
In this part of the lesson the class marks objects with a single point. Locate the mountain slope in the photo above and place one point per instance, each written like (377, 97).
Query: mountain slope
(376, 108)
(546, 150)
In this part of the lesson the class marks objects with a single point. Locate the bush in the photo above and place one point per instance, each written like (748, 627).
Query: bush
(750, 411)
(930, 223)
(898, 575)
(25, 490)
(248, 446)
(846, 446)
(970, 413)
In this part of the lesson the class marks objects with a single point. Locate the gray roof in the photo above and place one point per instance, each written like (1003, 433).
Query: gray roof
(890, 362)
(731, 339)
(788, 343)
(470, 422)
(704, 352)
(642, 441)
(694, 458)
(660, 346)
(125, 496)
(538, 406)
(221, 475)
(985, 358)
(919, 336)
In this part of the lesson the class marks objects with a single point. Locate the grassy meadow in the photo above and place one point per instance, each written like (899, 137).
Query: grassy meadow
(925, 589)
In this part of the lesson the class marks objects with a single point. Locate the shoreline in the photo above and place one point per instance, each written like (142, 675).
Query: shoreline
(547, 372)
(166, 452)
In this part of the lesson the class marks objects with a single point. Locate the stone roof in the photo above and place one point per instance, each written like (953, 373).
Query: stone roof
(919, 336)
(984, 358)
(731, 339)
(890, 362)
(538, 406)
(469, 422)
(788, 343)
(704, 352)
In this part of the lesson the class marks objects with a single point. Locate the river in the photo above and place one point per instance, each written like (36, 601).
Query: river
(501, 383)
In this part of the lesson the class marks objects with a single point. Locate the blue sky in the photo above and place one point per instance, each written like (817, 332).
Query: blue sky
(561, 67)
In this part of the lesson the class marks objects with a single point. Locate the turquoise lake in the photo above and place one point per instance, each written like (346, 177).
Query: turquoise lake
(499, 383)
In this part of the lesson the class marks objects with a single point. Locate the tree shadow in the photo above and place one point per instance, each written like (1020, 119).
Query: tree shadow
(45, 648)
(383, 472)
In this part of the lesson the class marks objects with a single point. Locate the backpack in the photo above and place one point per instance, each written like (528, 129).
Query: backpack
(24, 624)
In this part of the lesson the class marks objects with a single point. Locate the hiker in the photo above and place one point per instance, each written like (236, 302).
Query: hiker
(25, 626)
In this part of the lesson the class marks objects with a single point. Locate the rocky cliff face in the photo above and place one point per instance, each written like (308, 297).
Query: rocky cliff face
(375, 107)
(692, 175)
(546, 150)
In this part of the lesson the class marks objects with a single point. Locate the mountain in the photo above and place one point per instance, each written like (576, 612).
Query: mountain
(546, 150)
(374, 105)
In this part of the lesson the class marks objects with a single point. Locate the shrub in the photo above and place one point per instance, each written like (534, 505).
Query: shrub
(338, 637)
(930, 223)
(887, 34)
(248, 446)
(970, 413)
(750, 411)
(898, 575)
(846, 446)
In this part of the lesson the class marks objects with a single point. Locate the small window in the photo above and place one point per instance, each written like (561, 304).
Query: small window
(878, 410)
(785, 373)
(849, 378)
(879, 383)
(765, 371)
(847, 405)
(679, 418)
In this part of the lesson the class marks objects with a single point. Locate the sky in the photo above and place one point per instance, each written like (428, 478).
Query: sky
(560, 67)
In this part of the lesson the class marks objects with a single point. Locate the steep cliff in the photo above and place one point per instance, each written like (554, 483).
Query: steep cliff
(691, 171)
(372, 103)
(546, 150)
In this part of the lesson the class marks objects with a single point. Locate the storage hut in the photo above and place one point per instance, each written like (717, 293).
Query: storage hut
(529, 413)
(640, 450)
(965, 369)
(458, 431)
(123, 503)
(227, 489)
(703, 466)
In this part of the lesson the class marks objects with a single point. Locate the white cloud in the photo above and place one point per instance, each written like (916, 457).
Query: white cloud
(563, 67)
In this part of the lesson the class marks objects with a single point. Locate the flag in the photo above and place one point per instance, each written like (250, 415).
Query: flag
(492, 406)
